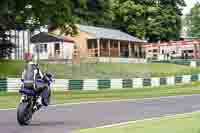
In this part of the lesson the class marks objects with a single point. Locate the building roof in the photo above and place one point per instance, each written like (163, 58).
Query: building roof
(106, 33)
(45, 37)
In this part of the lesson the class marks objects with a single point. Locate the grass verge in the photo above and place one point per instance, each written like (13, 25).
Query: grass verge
(11, 100)
(100, 70)
(179, 124)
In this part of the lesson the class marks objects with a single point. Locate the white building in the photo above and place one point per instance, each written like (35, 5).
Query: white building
(175, 50)
(22, 41)
(50, 47)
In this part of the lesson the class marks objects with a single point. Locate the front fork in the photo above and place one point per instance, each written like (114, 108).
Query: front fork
(24, 98)
(30, 100)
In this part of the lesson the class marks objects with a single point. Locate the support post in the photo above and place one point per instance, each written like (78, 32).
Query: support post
(29, 38)
(63, 49)
(23, 43)
(137, 50)
(109, 53)
(98, 47)
(52, 50)
(18, 41)
(129, 49)
(15, 43)
(38, 53)
(195, 51)
(119, 49)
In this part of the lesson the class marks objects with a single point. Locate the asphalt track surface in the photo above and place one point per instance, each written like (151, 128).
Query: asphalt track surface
(64, 119)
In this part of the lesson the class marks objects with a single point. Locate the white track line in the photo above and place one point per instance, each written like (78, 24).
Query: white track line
(150, 119)
(111, 101)
(9, 109)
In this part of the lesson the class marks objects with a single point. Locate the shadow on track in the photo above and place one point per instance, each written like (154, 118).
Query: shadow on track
(48, 124)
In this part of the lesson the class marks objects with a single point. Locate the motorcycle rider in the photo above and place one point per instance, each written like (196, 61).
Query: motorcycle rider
(30, 75)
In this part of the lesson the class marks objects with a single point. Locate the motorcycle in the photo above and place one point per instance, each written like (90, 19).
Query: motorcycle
(29, 99)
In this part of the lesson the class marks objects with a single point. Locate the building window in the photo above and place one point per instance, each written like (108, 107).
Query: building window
(57, 48)
(45, 48)
(155, 51)
(190, 51)
(41, 48)
(89, 45)
(114, 44)
(104, 45)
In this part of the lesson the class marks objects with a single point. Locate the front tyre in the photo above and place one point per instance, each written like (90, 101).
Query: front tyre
(49, 96)
(24, 114)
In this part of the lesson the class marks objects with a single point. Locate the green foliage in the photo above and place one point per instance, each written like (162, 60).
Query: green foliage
(152, 20)
(31, 14)
(20, 14)
(192, 21)
(63, 14)
(93, 12)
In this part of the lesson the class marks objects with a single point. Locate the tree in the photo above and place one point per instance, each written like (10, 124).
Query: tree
(165, 25)
(5, 45)
(63, 14)
(192, 21)
(31, 14)
(20, 14)
(155, 20)
(94, 12)
(23, 14)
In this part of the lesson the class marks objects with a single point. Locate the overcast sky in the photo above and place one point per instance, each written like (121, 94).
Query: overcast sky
(190, 4)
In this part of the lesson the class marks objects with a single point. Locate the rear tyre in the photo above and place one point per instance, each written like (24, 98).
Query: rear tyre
(24, 114)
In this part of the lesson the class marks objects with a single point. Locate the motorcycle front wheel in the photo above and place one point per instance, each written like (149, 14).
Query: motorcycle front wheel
(24, 114)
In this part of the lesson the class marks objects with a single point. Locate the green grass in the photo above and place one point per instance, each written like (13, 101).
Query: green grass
(179, 124)
(10, 100)
(101, 71)
(11, 68)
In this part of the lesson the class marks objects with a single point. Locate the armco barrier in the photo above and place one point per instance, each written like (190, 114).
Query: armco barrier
(163, 81)
(116, 83)
(90, 84)
(3, 85)
(14, 84)
(127, 83)
(60, 84)
(104, 84)
(194, 77)
(177, 61)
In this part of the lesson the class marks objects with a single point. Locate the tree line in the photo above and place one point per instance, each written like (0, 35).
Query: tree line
(152, 20)
(192, 22)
